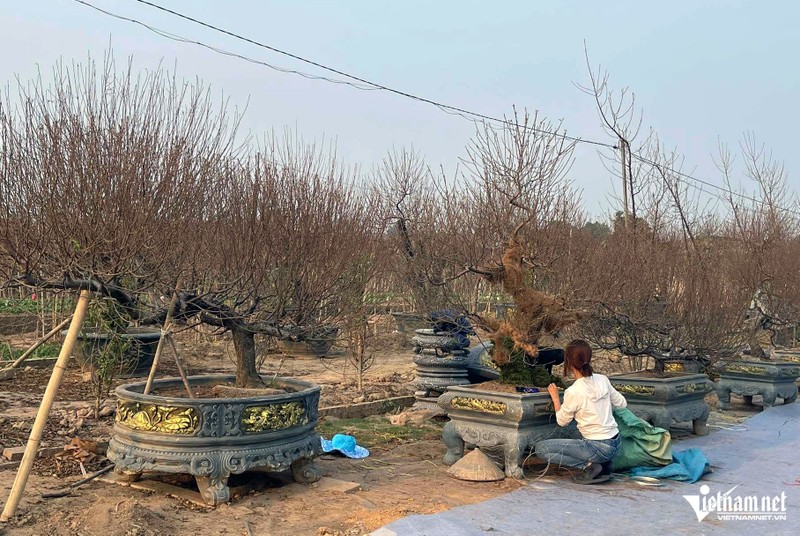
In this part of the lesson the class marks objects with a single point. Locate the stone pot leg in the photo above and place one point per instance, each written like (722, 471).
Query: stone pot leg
(126, 476)
(214, 489)
(305, 472)
(769, 395)
(660, 419)
(699, 426)
(455, 445)
(791, 398)
(514, 448)
(724, 396)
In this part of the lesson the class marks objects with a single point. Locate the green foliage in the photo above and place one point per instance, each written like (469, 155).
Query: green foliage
(517, 372)
(109, 357)
(378, 298)
(598, 229)
(28, 305)
(7, 353)
(377, 431)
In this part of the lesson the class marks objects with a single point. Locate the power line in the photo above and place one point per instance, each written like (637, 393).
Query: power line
(367, 85)
(373, 85)
(710, 184)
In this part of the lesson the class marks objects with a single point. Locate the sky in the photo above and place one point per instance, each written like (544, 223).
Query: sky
(703, 72)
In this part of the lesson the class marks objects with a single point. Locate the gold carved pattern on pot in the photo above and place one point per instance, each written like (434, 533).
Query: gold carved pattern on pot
(476, 404)
(155, 418)
(691, 388)
(632, 389)
(257, 419)
(674, 367)
(746, 369)
(789, 356)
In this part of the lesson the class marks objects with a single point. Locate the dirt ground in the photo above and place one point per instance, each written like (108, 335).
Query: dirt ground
(403, 475)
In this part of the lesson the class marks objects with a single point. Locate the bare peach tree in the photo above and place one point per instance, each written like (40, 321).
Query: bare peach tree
(102, 175)
(287, 242)
(762, 231)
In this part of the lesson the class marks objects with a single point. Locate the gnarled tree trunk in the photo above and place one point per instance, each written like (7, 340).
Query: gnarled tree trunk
(245, 345)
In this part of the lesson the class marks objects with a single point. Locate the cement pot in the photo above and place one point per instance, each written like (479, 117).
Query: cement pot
(676, 397)
(212, 438)
(440, 361)
(307, 348)
(137, 358)
(15, 323)
(770, 379)
(514, 421)
(409, 322)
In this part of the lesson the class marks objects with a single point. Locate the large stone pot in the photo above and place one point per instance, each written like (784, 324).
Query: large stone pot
(677, 397)
(138, 357)
(213, 438)
(307, 348)
(408, 323)
(14, 323)
(440, 361)
(514, 421)
(770, 379)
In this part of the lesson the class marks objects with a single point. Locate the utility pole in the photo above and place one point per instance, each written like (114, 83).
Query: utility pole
(624, 159)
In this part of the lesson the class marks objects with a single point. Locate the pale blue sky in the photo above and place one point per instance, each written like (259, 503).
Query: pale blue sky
(702, 71)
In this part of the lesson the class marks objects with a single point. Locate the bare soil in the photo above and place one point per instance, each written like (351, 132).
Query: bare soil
(403, 475)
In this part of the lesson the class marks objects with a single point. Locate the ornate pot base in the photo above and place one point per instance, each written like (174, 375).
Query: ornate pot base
(215, 437)
(516, 422)
(770, 379)
(678, 397)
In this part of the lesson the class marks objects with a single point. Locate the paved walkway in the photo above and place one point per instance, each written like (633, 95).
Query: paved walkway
(761, 457)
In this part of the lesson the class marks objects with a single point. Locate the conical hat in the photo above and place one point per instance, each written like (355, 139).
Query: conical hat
(477, 467)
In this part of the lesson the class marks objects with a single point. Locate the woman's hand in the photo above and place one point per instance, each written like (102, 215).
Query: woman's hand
(553, 390)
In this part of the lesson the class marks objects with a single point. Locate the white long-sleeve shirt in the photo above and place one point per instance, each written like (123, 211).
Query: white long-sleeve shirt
(589, 401)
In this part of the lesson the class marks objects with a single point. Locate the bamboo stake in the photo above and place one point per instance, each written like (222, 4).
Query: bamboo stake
(44, 409)
(40, 342)
(66, 491)
(180, 366)
(164, 335)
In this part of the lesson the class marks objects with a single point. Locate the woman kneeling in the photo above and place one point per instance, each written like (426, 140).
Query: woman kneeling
(589, 400)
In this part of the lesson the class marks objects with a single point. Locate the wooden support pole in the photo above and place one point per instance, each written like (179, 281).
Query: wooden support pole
(164, 335)
(44, 409)
(180, 366)
(40, 342)
(624, 159)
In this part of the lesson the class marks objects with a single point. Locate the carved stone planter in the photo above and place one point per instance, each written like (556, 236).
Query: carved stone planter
(516, 422)
(441, 361)
(409, 322)
(14, 323)
(213, 438)
(679, 397)
(137, 358)
(307, 348)
(770, 379)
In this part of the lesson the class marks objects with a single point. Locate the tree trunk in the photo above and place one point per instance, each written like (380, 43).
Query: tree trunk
(245, 345)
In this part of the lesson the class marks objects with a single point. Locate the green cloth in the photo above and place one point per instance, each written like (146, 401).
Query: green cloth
(642, 444)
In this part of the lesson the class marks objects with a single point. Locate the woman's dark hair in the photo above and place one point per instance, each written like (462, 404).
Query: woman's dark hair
(578, 357)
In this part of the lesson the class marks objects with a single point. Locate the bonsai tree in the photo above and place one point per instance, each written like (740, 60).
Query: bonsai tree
(280, 250)
(537, 315)
(145, 188)
(501, 223)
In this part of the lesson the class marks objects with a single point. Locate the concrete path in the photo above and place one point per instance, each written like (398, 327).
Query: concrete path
(761, 456)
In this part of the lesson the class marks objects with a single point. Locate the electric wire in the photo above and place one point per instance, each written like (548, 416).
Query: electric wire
(367, 85)
(372, 85)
